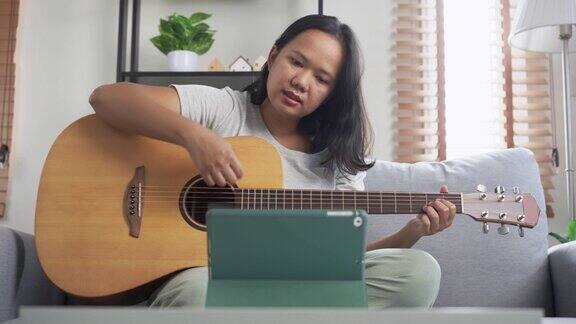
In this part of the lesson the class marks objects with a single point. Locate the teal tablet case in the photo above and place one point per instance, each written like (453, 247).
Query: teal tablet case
(293, 258)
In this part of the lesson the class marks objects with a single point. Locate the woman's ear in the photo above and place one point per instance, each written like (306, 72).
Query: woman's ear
(272, 56)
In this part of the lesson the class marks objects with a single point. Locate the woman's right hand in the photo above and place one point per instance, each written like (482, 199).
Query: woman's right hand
(214, 158)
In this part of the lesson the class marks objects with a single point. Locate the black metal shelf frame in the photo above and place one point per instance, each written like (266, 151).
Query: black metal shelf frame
(134, 74)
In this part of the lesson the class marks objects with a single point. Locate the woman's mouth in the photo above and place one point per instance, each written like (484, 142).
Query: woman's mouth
(290, 99)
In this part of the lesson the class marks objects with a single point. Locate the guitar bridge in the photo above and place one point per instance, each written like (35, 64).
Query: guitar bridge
(133, 199)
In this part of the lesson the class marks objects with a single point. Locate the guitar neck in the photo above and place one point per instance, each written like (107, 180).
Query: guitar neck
(373, 202)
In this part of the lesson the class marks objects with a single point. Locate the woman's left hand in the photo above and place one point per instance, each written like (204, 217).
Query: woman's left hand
(436, 216)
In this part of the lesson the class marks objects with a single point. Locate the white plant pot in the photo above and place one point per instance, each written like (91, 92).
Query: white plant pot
(182, 61)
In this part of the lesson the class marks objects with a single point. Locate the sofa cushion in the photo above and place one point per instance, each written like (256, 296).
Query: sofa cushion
(22, 281)
(485, 270)
(562, 260)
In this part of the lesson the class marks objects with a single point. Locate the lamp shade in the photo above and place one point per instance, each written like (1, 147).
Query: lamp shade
(536, 25)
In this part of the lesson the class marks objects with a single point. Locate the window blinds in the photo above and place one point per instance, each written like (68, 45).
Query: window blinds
(419, 80)
(8, 24)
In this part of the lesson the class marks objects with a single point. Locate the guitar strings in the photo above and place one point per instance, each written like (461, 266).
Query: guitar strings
(303, 192)
(303, 198)
(372, 200)
(305, 202)
(289, 196)
(295, 190)
(288, 203)
(319, 203)
(346, 203)
(372, 211)
(307, 196)
(308, 192)
(369, 211)
(347, 197)
(263, 198)
(196, 196)
(280, 207)
(358, 193)
(284, 189)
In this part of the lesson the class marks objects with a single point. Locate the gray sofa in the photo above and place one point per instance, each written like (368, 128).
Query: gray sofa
(483, 270)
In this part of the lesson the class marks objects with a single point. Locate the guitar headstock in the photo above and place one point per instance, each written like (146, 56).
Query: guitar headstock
(519, 209)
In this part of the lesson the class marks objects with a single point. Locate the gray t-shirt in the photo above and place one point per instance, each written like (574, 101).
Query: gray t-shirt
(231, 113)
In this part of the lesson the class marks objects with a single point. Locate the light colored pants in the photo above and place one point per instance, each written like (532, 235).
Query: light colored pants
(394, 278)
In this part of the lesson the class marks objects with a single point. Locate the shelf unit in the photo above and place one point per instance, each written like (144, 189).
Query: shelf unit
(236, 80)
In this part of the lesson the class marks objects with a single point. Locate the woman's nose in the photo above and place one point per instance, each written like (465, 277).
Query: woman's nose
(300, 82)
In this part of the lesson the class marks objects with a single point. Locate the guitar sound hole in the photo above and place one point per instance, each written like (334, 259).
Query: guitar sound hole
(196, 198)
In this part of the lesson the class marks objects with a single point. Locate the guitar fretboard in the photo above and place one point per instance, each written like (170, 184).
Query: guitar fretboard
(371, 202)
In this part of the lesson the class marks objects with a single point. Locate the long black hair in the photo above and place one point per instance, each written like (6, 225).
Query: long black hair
(340, 123)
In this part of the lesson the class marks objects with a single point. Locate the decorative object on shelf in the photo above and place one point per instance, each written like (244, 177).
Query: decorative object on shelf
(240, 65)
(216, 66)
(182, 39)
(546, 27)
(259, 63)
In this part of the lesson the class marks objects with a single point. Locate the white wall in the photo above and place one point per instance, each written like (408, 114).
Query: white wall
(65, 49)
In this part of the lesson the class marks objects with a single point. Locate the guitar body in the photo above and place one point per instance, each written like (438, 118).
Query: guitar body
(81, 231)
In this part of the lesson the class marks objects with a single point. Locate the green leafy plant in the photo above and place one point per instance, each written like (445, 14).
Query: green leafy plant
(182, 33)
(571, 233)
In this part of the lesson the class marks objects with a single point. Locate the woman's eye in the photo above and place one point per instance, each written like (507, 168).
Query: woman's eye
(295, 62)
(321, 80)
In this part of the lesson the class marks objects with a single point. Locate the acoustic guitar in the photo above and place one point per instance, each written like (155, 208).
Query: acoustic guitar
(117, 213)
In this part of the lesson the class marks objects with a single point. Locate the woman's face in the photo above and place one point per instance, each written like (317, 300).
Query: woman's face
(303, 74)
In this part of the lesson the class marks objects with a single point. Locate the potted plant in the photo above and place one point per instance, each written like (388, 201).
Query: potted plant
(182, 39)
(571, 236)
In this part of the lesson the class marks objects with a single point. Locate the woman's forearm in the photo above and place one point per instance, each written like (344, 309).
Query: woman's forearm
(126, 107)
(401, 239)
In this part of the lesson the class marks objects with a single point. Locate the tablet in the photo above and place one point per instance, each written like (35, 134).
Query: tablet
(277, 258)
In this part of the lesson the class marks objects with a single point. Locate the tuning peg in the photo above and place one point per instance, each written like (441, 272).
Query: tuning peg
(521, 217)
(481, 188)
(518, 198)
(485, 228)
(516, 190)
(520, 231)
(503, 229)
(499, 190)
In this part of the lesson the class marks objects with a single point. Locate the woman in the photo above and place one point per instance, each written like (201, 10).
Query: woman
(308, 104)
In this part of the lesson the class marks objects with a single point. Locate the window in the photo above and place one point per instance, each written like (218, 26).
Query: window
(461, 90)
(474, 77)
